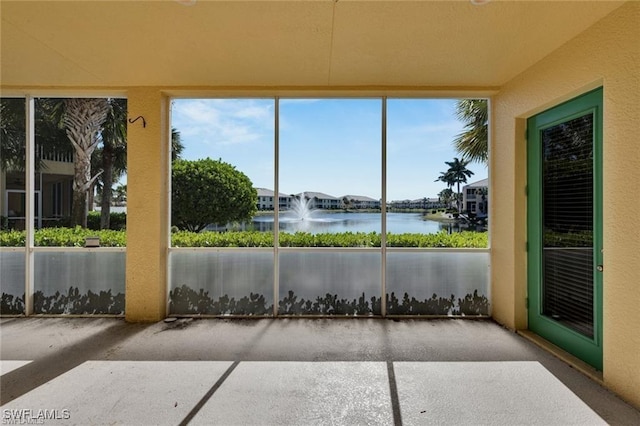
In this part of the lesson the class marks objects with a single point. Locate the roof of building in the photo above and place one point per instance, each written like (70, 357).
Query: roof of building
(318, 195)
(480, 183)
(358, 198)
(264, 192)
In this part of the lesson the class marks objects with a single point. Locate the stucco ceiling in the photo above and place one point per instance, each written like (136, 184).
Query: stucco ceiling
(320, 44)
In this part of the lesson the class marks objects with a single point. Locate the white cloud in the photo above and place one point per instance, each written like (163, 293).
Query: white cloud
(219, 122)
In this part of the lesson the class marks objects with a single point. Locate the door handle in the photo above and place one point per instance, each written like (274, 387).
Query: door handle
(600, 268)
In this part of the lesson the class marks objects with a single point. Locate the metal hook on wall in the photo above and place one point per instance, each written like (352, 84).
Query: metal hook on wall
(144, 122)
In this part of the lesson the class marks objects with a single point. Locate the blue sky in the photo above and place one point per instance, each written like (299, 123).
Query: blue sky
(327, 145)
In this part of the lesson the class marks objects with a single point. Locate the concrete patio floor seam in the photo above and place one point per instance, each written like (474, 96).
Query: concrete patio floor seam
(301, 393)
(291, 371)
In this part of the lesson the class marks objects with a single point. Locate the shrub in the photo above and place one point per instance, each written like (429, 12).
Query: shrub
(207, 192)
(12, 238)
(75, 237)
(117, 221)
(222, 239)
(465, 239)
(346, 239)
(64, 237)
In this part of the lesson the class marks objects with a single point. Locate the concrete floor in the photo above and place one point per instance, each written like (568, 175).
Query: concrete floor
(290, 371)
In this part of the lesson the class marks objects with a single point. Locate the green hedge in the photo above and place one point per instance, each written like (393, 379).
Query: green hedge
(465, 239)
(222, 239)
(64, 237)
(75, 237)
(117, 221)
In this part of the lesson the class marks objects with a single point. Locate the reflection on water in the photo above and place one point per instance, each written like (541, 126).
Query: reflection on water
(336, 222)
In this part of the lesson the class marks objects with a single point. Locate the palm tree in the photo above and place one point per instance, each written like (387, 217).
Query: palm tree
(49, 138)
(458, 173)
(112, 156)
(97, 131)
(120, 194)
(473, 143)
(12, 134)
(83, 119)
(176, 144)
(483, 192)
(445, 196)
(447, 178)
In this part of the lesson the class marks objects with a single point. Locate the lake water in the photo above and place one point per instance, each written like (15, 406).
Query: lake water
(335, 222)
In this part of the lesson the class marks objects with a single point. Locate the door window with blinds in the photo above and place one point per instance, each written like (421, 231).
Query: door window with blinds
(564, 221)
(567, 188)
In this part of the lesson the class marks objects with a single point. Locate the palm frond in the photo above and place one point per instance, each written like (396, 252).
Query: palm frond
(473, 143)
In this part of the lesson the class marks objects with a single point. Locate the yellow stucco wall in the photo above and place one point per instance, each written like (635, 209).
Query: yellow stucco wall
(608, 55)
(147, 195)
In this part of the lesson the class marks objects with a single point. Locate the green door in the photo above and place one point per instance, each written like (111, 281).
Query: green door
(564, 209)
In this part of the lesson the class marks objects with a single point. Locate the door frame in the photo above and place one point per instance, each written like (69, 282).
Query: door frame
(585, 348)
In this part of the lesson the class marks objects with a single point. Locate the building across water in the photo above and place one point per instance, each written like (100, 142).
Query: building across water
(317, 200)
(320, 200)
(475, 197)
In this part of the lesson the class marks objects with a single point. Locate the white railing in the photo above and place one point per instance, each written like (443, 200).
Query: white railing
(53, 155)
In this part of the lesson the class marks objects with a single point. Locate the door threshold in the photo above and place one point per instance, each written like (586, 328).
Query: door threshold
(565, 356)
